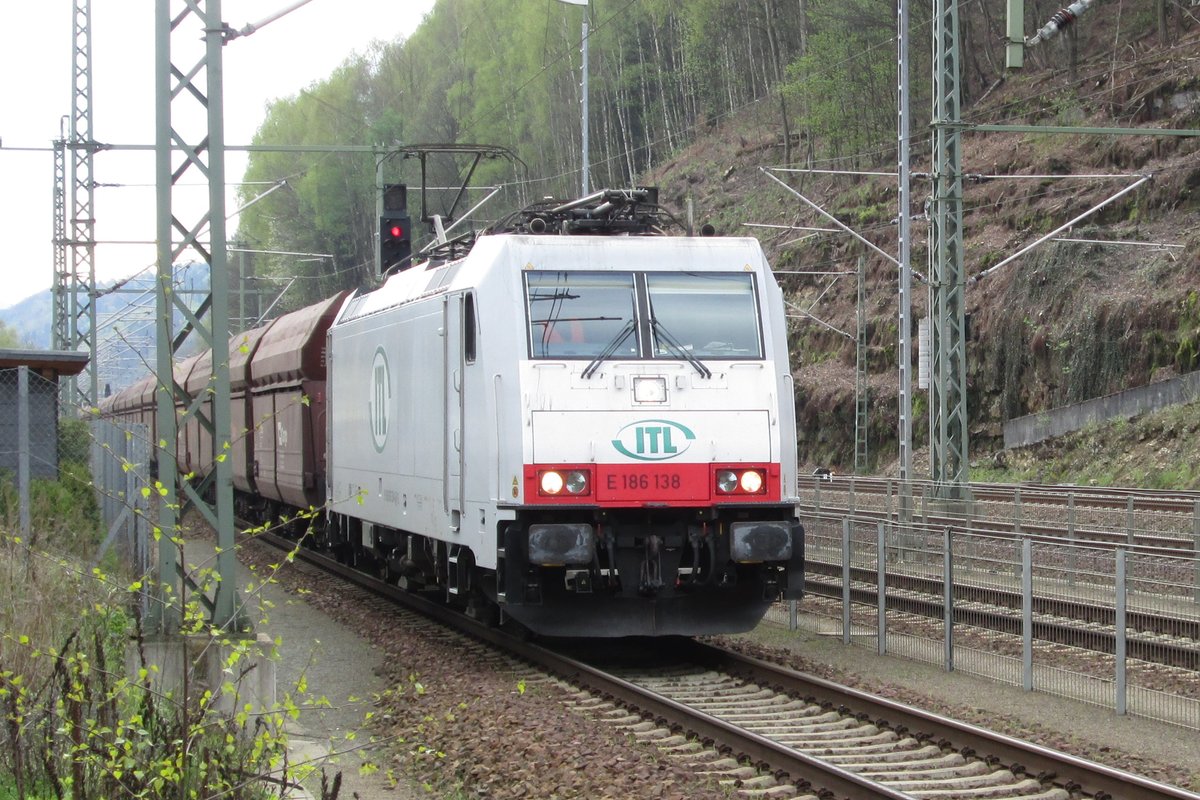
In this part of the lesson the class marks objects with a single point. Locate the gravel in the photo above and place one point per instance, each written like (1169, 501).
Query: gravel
(1162, 752)
(455, 720)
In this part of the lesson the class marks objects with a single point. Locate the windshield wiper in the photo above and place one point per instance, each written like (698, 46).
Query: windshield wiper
(678, 349)
(609, 349)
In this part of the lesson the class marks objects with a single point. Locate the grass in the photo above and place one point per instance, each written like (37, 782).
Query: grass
(1153, 451)
(73, 721)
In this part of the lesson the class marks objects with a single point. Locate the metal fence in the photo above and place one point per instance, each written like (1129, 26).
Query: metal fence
(1111, 627)
(1149, 519)
(120, 469)
(28, 434)
(31, 448)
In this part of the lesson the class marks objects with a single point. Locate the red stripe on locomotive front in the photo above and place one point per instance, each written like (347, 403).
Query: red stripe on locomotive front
(682, 485)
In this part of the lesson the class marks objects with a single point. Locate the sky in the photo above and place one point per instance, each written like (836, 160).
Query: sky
(36, 93)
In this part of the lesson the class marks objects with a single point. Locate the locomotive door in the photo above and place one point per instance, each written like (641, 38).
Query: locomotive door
(454, 412)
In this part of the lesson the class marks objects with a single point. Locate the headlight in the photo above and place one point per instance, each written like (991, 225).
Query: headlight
(649, 389)
(752, 481)
(552, 482)
(577, 482)
(741, 481)
(564, 481)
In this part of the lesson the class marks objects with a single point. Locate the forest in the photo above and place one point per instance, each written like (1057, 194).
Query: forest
(661, 74)
(695, 96)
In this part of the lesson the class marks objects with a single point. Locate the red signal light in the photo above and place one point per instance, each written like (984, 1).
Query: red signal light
(395, 245)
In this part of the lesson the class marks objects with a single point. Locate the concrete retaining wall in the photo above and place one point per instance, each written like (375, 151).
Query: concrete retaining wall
(1129, 403)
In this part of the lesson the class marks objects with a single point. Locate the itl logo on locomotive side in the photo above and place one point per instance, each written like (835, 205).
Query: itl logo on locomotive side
(653, 440)
(379, 401)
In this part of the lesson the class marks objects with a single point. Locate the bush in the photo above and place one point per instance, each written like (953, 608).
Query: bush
(74, 441)
(78, 723)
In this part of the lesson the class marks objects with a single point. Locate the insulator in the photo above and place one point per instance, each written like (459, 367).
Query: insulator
(1061, 19)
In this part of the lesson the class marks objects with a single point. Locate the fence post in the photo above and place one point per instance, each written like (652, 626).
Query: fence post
(793, 615)
(1196, 548)
(23, 450)
(1121, 699)
(1017, 510)
(1071, 554)
(137, 451)
(948, 598)
(851, 504)
(817, 494)
(845, 580)
(887, 503)
(881, 564)
(1027, 613)
(1129, 520)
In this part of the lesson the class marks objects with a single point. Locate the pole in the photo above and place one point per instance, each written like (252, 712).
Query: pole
(23, 450)
(165, 614)
(584, 105)
(905, 254)
(225, 602)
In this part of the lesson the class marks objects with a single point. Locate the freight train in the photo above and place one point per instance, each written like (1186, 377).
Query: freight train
(578, 423)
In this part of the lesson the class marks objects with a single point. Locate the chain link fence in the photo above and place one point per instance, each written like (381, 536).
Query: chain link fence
(36, 444)
(121, 470)
(28, 435)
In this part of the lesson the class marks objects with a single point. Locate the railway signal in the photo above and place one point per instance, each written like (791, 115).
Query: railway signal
(395, 241)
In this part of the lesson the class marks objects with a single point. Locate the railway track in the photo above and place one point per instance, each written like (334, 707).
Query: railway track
(1096, 497)
(1173, 642)
(1049, 533)
(1170, 521)
(904, 750)
(766, 731)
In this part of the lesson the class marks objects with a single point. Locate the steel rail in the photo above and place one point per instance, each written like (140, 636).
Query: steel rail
(1145, 544)
(1167, 654)
(803, 770)
(808, 773)
(1096, 780)
(1082, 610)
(1179, 501)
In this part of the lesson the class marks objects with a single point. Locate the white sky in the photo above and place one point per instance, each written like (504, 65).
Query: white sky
(36, 93)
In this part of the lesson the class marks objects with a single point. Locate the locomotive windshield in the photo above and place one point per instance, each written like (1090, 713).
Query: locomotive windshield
(578, 314)
(596, 315)
(712, 315)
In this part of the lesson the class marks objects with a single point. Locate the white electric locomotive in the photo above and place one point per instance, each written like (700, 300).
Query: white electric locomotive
(582, 424)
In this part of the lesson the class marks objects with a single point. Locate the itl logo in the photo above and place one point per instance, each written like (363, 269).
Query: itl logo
(379, 403)
(653, 440)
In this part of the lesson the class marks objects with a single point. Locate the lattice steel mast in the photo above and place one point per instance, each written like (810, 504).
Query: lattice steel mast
(948, 390)
(81, 306)
(181, 85)
(60, 296)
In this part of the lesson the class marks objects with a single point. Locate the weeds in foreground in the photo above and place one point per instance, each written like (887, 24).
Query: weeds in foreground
(89, 708)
